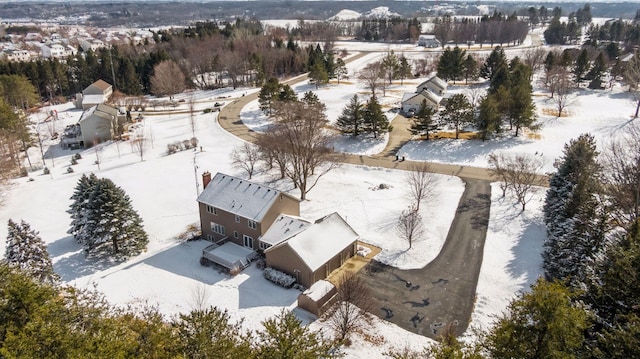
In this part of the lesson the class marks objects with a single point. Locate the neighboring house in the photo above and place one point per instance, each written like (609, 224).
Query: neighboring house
(55, 51)
(316, 251)
(428, 41)
(432, 90)
(17, 55)
(92, 44)
(434, 84)
(412, 101)
(96, 93)
(96, 124)
(240, 211)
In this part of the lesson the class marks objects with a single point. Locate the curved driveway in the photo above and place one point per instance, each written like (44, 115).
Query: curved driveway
(443, 292)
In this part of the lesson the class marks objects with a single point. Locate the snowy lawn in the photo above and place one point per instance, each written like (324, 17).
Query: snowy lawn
(512, 255)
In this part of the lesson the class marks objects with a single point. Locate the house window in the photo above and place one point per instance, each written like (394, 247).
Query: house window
(212, 210)
(235, 234)
(217, 228)
(237, 219)
(247, 241)
(252, 224)
(209, 237)
(264, 246)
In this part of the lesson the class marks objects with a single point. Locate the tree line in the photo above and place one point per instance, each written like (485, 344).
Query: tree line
(494, 29)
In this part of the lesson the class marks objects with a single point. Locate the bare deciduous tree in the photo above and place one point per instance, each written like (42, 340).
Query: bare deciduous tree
(410, 226)
(534, 58)
(138, 144)
(167, 79)
(519, 174)
(420, 183)
(300, 136)
(350, 312)
(192, 117)
(559, 82)
(372, 75)
(632, 79)
(246, 157)
(622, 177)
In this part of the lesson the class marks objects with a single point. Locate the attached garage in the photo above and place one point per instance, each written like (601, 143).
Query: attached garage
(312, 254)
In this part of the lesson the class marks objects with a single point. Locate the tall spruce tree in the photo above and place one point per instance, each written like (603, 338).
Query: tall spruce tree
(488, 118)
(80, 199)
(26, 250)
(375, 121)
(424, 120)
(112, 225)
(496, 59)
(457, 112)
(573, 214)
(351, 121)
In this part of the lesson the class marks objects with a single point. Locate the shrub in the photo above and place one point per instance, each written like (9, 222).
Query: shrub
(74, 161)
(279, 278)
(77, 156)
(206, 110)
(46, 170)
(24, 172)
(69, 169)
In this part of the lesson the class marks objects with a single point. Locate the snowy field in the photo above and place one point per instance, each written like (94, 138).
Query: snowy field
(163, 189)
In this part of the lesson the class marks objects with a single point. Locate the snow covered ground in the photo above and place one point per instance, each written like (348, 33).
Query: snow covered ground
(163, 189)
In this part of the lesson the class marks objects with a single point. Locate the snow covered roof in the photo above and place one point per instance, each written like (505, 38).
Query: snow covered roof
(431, 96)
(87, 113)
(322, 240)
(229, 255)
(284, 227)
(318, 290)
(92, 99)
(345, 14)
(436, 81)
(408, 95)
(235, 195)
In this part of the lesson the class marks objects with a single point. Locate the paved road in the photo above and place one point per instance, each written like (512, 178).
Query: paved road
(425, 300)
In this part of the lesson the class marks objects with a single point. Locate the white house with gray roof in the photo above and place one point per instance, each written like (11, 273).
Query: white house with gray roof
(431, 90)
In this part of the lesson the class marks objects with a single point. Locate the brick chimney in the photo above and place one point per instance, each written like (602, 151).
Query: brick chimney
(206, 178)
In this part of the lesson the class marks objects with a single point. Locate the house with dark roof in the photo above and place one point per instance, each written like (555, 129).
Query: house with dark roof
(240, 211)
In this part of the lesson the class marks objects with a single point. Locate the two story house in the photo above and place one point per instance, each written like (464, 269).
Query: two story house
(239, 210)
(432, 90)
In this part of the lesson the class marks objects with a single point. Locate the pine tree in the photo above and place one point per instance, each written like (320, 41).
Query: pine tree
(581, 66)
(268, 95)
(319, 74)
(457, 112)
(424, 121)
(340, 70)
(404, 69)
(543, 323)
(26, 250)
(112, 225)
(375, 121)
(488, 120)
(352, 117)
(573, 214)
(80, 198)
(496, 59)
(286, 337)
(470, 69)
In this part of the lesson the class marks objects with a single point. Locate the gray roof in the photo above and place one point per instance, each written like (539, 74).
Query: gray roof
(284, 227)
(321, 241)
(238, 196)
(440, 83)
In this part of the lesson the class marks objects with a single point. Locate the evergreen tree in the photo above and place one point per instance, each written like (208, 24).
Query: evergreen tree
(208, 333)
(340, 70)
(581, 66)
(268, 95)
(572, 213)
(451, 65)
(285, 337)
(404, 69)
(596, 72)
(488, 120)
(352, 117)
(390, 65)
(319, 74)
(424, 121)
(496, 59)
(374, 120)
(26, 250)
(80, 199)
(470, 69)
(457, 112)
(112, 225)
(543, 323)
(522, 109)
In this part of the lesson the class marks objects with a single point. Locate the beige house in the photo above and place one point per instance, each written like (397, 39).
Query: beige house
(312, 253)
(97, 124)
(432, 90)
(96, 93)
(240, 211)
